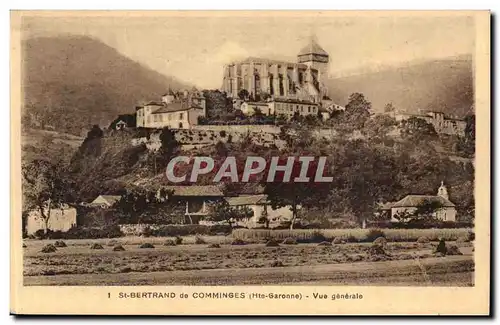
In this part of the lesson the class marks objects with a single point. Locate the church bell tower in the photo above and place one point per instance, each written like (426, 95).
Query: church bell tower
(443, 191)
(315, 57)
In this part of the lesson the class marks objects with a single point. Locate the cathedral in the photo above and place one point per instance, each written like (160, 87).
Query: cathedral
(301, 80)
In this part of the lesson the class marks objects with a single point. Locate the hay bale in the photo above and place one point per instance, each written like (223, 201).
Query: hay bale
(49, 249)
(118, 248)
(277, 264)
(214, 246)
(337, 240)
(272, 243)
(238, 241)
(96, 246)
(60, 243)
(453, 250)
(423, 240)
(377, 250)
(289, 241)
(146, 245)
(169, 242)
(380, 241)
(325, 243)
(199, 240)
(112, 242)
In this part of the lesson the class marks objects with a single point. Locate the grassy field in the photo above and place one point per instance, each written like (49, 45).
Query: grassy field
(351, 263)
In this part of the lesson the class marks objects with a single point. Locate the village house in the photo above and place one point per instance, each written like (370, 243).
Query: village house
(260, 207)
(105, 201)
(410, 203)
(174, 111)
(250, 108)
(60, 219)
(442, 124)
(197, 199)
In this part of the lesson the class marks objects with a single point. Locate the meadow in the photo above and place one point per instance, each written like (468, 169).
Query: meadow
(149, 260)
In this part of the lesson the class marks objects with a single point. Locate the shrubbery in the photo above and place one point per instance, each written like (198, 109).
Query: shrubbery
(349, 235)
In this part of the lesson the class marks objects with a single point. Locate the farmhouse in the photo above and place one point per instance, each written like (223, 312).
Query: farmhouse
(60, 219)
(196, 198)
(105, 201)
(261, 208)
(447, 211)
(176, 111)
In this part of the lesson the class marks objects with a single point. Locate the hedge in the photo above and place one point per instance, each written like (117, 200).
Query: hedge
(427, 225)
(351, 235)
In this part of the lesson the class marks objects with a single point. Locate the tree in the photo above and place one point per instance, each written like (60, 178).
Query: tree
(417, 130)
(243, 94)
(296, 194)
(222, 211)
(44, 188)
(389, 108)
(357, 111)
(378, 128)
(169, 145)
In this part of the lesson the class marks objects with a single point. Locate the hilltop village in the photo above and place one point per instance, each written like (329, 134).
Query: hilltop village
(389, 167)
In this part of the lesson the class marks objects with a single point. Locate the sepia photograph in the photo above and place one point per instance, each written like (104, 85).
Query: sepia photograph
(287, 149)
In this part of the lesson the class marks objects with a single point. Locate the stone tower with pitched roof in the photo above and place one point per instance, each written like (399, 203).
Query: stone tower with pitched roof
(315, 57)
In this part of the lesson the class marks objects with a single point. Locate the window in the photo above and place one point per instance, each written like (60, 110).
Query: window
(309, 109)
(181, 116)
(302, 109)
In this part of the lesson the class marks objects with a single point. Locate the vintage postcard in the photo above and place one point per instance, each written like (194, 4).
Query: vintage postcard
(250, 163)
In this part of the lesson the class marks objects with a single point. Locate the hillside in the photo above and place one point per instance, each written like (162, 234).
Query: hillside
(48, 145)
(72, 82)
(442, 85)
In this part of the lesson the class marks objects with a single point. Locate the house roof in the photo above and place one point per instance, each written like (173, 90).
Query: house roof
(172, 107)
(195, 190)
(111, 199)
(271, 61)
(312, 48)
(257, 103)
(416, 200)
(386, 206)
(246, 199)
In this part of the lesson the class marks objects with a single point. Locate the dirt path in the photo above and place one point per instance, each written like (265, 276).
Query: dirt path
(448, 271)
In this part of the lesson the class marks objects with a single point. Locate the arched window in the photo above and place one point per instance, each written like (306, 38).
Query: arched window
(180, 125)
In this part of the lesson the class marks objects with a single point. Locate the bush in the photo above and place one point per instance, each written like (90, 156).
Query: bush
(199, 240)
(188, 230)
(93, 233)
(318, 237)
(289, 241)
(147, 245)
(60, 243)
(169, 242)
(147, 232)
(423, 240)
(49, 249)
(350, 235)
(178, 240)
(471, 235)
(118, 248)
(222, 133)
(441, 247)
(272, 243)
(96, 246)
(214, 246)
(238, 242)
(374, 234)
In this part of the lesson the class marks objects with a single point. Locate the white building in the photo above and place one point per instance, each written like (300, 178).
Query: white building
(60, 219)
(410, 203)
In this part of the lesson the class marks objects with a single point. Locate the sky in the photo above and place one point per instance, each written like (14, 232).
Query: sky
(195, 47)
